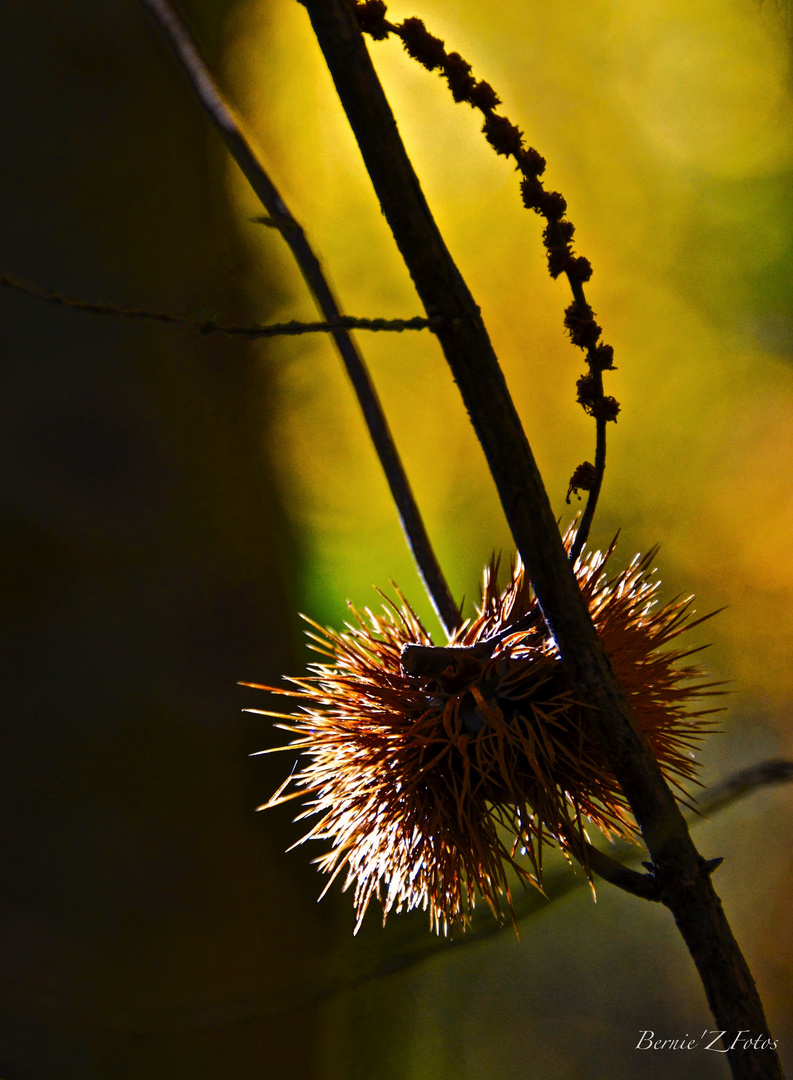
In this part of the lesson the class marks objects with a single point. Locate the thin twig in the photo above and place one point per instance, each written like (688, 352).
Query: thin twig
(765, 774)
(596, 376)
(240, 149)
(208, 326)
(557, 885)
(683, 873)
(582, 532)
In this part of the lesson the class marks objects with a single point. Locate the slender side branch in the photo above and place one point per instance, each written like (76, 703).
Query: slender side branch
(558, 885)
(592, 397)
(645, 886)
(765, 774)
(582, 534)
(682, 872)
(240, 149)
(209, 326)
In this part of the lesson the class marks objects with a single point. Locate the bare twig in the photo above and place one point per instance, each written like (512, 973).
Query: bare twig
(240, 149)
(682, 872)
(582, 533)
(765, 774)
(601, 422)
(209, 326)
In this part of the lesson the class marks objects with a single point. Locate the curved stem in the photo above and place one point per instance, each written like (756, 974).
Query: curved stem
(582, 533)
(682, 872)
(280, 217)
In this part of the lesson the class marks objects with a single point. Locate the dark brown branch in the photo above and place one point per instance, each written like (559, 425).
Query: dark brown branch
(682, 872)
(208, 326)
(240, 149)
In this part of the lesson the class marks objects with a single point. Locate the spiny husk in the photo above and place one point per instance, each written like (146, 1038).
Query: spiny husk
(415, 780)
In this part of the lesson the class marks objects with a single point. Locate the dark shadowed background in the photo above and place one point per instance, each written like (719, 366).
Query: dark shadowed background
(149, 921)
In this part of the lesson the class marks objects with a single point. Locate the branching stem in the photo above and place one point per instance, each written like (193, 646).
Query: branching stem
(682, 872)
(280, 217)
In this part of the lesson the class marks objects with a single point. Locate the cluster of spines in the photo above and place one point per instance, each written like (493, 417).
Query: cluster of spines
(507, 139)
(415, 765)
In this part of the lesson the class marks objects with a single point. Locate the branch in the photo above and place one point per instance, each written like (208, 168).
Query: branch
(178, 38)
(766, 774)
(208, 326)
(582, 533)
(645, 886)
(682, 872)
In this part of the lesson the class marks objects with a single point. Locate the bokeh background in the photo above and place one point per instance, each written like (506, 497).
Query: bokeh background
(170, 502)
